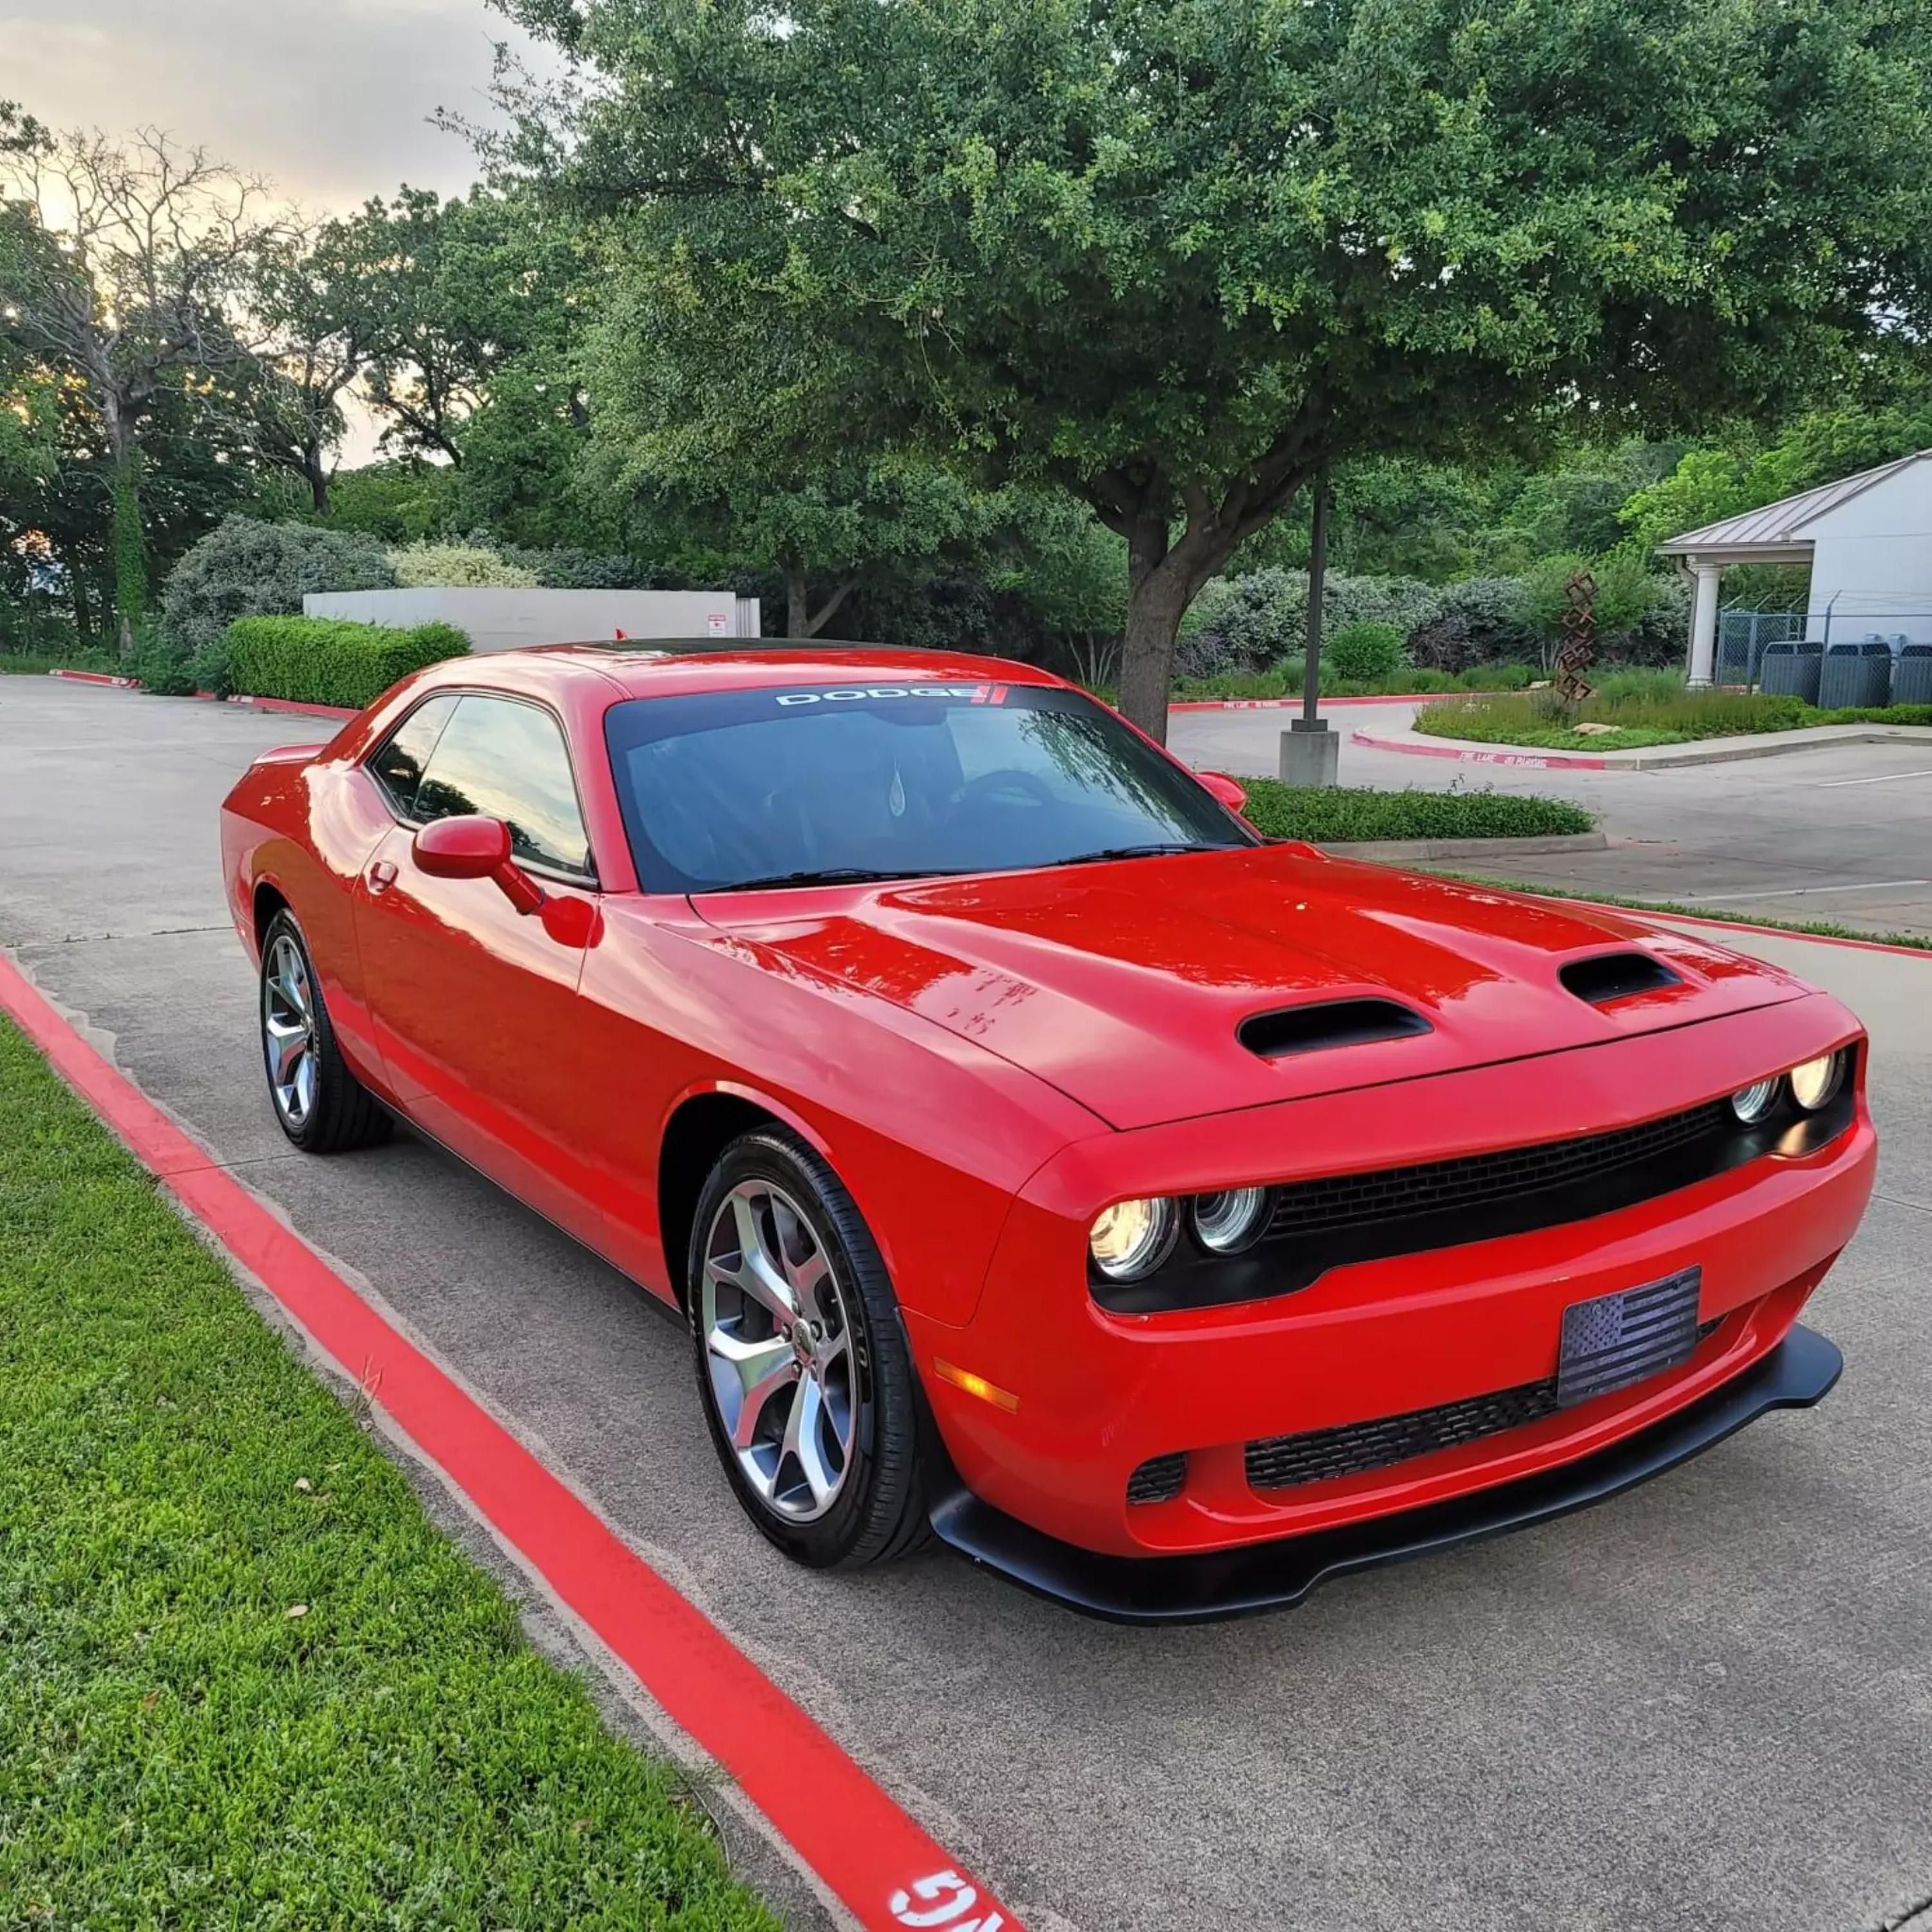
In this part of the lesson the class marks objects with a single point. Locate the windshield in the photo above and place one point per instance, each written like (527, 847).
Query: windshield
(812, 784)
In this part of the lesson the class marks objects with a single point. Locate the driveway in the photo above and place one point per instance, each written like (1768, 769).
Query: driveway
(1841, 832)
(1707, 1704)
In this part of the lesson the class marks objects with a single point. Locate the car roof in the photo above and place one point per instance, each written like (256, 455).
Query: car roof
(657, 667)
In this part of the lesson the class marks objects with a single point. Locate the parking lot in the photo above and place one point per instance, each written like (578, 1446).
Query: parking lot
(1706, 1704)
(1842, 833)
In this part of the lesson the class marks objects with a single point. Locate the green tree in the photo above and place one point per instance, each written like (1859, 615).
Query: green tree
(122, 267)
(1179, 257)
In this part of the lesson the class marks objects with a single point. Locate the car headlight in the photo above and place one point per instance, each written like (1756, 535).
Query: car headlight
(1752, 1103)
(1814, 1082)
(1133, 1238)
(1227, 1222)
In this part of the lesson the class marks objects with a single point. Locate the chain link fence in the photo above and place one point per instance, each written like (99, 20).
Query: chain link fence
(1831, 658)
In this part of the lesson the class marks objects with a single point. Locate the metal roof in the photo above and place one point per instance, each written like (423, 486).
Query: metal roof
(1778, 529)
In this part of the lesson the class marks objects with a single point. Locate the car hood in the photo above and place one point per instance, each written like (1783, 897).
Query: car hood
(1125, 984)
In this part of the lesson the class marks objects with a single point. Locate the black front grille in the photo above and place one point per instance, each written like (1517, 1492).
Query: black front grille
(1339, 1220)
(1486, 1181)
(1285, 1462)
(1160, 1479)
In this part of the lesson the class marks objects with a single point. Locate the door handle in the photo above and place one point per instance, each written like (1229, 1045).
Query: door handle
(381, 876)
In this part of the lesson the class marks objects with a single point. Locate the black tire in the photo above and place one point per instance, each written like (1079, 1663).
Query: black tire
(879, 1512)
(341, 1113)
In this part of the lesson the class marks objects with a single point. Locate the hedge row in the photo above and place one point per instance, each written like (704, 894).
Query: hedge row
(329, 661)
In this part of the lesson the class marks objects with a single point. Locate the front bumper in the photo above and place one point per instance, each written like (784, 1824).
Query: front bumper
(1090, 1396)
(1799, 1372)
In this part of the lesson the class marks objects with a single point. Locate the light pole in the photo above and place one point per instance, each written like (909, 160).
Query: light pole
(1311, 754)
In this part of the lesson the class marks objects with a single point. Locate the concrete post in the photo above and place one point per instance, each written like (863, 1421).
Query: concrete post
(1311, 755)
(1703, 624)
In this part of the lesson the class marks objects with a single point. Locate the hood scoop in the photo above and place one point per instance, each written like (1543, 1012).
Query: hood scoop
(1326, 1023)
(1617, 976)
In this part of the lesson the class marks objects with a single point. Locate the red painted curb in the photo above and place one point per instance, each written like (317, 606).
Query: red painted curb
(292, 704)
(885, 1868)
(1534, 761)
(96, 677)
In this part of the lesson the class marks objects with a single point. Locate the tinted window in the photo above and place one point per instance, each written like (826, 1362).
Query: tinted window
(909, 781)
(507, 761)
(398, 765)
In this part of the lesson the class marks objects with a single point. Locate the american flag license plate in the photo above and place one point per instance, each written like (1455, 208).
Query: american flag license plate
(1613, 1340)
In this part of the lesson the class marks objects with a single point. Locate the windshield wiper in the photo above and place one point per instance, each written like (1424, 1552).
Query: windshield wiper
(1153, 851)
(826, 875)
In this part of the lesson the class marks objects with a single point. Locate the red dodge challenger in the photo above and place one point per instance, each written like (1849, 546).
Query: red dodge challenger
(1166, 1216)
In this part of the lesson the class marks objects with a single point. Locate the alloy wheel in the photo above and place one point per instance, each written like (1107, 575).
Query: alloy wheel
(288, 1031)
(778, 1350)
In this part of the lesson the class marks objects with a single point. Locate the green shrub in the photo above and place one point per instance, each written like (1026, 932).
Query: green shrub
(1331, 813)
(1495, 677)
(1474, 622)
(211, 669)
(329, 661)
(1364, 651)
(245, 568)
(469, 566)
(563, 569)
(162, 670)
(1263, 615)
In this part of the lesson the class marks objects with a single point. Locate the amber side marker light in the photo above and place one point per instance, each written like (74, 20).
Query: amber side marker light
(964, 1379)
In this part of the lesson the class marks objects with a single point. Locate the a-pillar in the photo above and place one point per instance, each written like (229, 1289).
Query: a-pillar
(1703, 624)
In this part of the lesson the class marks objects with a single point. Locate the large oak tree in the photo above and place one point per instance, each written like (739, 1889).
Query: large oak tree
(1180, 256)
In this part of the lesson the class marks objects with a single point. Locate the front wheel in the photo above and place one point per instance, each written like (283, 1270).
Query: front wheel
(801, 1365)
(319, 1103)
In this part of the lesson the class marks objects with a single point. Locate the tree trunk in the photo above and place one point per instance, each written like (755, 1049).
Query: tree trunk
(315, 468)
(797, 602)
(83, 614)
(130, 565)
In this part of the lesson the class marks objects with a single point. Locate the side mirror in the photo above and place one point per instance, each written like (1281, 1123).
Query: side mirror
(1230, 794)
(473, 847)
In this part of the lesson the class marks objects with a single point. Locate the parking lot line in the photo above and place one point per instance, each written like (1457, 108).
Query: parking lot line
(868, 1853)
(1883, 778)
(1808, 892)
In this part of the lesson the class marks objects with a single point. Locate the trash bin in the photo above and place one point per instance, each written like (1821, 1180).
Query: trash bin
(1912, 676)
(1791, 671)
(1859, 674)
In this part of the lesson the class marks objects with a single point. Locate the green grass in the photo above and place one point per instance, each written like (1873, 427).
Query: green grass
(1330, 814)
(1645, 708)
(178, 1746)
(25, 664)
(1815, 929)
(1284, 680)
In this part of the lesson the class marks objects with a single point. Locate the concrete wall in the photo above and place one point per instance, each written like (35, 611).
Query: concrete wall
(1872, 566)
(502, 620)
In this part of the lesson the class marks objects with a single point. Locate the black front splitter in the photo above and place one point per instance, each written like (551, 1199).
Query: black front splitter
(1797, 1372)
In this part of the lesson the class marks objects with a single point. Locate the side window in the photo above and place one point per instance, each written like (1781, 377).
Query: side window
(507, 761)
(398, 766)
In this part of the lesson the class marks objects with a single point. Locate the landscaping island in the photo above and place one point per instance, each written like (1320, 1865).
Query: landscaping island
(1633, 710)
(1341, 814)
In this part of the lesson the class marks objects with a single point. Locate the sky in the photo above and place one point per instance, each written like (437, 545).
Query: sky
(329, 100)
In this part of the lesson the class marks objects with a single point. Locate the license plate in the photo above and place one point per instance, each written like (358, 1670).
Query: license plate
(1612, 1340)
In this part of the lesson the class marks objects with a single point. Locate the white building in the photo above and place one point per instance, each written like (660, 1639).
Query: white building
(1867, 539)
(503, 620)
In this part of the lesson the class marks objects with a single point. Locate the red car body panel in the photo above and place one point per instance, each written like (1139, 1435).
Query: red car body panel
(988, 1062)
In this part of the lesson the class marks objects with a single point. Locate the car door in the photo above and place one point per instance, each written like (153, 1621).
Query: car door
(474, 1005)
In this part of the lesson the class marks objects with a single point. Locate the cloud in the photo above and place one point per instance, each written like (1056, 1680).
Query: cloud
(331, 103)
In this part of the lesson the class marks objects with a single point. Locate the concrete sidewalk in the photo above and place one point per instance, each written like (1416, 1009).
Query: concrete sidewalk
(1707, 1704)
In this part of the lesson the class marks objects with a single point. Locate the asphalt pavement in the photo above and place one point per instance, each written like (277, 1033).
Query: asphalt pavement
(1706, 1704)
(1840, 833)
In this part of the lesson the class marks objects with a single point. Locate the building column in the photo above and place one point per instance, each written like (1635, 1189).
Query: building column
(1703, 624)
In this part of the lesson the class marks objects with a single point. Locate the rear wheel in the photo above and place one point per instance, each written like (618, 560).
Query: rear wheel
(801, 1365)
(319, 1104)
